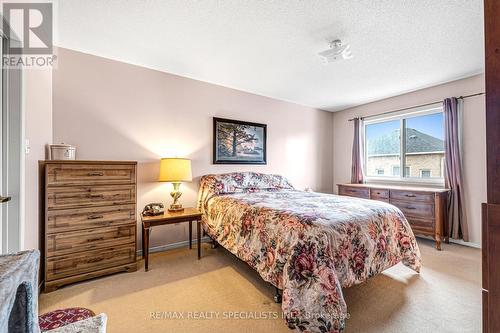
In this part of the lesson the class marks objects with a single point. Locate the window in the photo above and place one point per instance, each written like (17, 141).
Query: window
(396, 170)
(420, 148)
(425, 173)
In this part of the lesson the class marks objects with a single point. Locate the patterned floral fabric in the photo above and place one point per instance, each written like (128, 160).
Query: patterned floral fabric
(63, 317)
(311, 245)
(246, 182)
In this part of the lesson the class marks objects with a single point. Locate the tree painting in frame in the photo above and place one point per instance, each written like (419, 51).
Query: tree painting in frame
(239, 142)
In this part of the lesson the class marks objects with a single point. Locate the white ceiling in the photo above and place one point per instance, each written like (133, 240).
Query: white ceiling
(270, 47)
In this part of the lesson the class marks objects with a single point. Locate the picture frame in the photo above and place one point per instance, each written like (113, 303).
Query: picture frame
(239, 142)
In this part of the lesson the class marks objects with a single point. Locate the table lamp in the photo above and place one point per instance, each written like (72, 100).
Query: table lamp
(175, 171)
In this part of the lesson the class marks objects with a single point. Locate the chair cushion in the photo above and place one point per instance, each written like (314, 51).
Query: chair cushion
(95, 324)
(58, 318)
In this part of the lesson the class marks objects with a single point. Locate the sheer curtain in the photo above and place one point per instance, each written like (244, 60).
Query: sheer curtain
(357, 153)
(458, 227)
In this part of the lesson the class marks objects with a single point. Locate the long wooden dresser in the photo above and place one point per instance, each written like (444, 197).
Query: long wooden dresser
(88, 224)
(424, 207)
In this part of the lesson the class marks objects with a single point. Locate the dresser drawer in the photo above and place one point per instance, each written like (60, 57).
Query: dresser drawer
(85, 174)
(415, 209)
(379, 194)
(85, 218)
(412, 196)
(422, 226)
(80, 263)
(84, 196)
(77, 241)
(354, 191)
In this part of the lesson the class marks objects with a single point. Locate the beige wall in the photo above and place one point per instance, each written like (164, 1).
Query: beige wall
(38, 130)
(116, 111)
(474, 141)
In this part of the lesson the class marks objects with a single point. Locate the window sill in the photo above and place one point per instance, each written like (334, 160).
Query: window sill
(438, 183)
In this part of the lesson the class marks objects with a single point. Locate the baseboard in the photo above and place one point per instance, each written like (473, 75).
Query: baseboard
(454, 241)
(171, 246)
(469, 244)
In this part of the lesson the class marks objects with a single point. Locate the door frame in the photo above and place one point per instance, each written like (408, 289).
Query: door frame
(13, 167)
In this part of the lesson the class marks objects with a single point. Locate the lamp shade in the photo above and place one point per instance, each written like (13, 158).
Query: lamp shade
(175, 170)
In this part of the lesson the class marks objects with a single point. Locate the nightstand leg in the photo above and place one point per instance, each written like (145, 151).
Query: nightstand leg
(190, 234)
(143, 242)
(198, 234)
(146, 249)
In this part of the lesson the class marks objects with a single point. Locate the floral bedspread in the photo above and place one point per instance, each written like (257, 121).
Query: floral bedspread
(311, 245)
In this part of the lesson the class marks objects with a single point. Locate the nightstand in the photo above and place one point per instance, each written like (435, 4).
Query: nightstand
(187, 215)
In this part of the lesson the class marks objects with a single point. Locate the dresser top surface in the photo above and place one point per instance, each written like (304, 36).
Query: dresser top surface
(400, 187)
(85, 162)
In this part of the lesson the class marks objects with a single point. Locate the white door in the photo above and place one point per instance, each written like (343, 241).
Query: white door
(11, 166)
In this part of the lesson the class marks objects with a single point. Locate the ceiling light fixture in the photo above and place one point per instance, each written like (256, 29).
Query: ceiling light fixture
(337, 51)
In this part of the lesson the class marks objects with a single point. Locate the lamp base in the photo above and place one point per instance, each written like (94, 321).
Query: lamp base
(175, 208)
(176, 194)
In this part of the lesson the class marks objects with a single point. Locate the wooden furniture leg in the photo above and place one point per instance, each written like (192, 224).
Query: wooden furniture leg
(146, 242)
(143, 242)
(438, 242)
(190, 234)
(198, 234)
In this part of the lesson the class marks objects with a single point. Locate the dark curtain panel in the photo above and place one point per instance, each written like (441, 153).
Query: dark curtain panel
(458, 228)
(357, 153)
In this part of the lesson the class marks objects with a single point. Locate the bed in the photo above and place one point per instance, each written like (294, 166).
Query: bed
(310, 245)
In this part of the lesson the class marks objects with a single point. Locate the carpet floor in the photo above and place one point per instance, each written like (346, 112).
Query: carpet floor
(219, 293)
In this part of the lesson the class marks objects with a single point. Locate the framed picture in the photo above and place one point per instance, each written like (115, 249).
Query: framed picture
(239, 142)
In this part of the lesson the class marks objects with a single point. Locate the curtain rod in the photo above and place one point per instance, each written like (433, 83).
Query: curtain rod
(418, 106)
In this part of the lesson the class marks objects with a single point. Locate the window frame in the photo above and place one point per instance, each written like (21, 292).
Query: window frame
(402, 116)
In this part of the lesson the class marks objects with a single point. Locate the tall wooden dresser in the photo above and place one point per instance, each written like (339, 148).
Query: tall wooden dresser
(424, 208)
(88, 220)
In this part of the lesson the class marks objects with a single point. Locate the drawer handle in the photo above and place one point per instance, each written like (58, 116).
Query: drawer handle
(94, 217)
(411, 195)
(97, 196)
(90, 261)
(96, 173)
(410, 207)
(95, 239)
(352, 191)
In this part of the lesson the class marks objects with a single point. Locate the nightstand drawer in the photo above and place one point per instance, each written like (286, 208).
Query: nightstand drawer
(84, 174)
(87, 218)
(84, 262)
(91, 239)
(85, 196)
